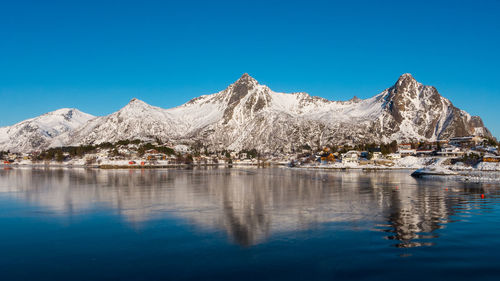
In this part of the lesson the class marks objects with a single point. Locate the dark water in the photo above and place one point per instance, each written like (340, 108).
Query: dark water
(245, 224)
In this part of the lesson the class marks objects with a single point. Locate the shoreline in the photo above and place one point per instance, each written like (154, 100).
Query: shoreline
(121, 167)
(438, 172)
(225, 165)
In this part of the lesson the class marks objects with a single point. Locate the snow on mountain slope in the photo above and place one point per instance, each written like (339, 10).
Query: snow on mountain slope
(415, 111)
(248, 115)
(256, 117)
(39, 132)
(137, 120)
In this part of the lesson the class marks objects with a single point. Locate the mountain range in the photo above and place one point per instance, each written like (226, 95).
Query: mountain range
(249, 115)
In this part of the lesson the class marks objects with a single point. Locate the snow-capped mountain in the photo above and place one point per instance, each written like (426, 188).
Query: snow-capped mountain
(249, 115)
(416, 111)
(40, 132)
(253, 116)
(137, 120)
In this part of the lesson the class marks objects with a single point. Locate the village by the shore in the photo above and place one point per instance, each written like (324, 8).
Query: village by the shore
(471, 156)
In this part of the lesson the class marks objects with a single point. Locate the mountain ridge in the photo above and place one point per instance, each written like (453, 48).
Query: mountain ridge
(249, 115)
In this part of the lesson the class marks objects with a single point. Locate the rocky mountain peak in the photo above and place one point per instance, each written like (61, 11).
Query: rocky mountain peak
(355, 99)
(406, 84)
(406, 95)
(134, 107)
(246, 79)
(239, 89)
(406, 76)
(243, 85)
(134, 103)
(247, 93)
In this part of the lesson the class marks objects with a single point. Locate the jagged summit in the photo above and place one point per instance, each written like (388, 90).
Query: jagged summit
(246, 79)
(406, 82)
(406, 76)
(136, 103)
(355, 99)
(244, 86)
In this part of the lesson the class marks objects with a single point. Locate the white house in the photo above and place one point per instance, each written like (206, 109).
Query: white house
(350, 157)
(407, 152)
(405, 149)
(450, 152)
(394, 156)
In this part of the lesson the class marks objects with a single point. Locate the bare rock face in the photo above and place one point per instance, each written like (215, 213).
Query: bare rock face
(245, 93)
(411, 104)
(249, 115)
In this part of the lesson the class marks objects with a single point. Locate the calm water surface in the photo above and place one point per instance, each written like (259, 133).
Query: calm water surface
(245, 224)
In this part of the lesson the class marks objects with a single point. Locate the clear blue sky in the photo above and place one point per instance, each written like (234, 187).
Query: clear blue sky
(97, 55)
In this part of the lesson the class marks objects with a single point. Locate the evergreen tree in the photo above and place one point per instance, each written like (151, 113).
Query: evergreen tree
(59, 156)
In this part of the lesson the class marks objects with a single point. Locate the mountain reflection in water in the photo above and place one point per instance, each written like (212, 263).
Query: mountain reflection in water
(252, 204)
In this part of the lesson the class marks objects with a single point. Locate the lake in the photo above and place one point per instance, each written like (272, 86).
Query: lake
(245, 224)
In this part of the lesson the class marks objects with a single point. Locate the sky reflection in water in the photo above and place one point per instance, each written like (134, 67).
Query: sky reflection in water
(254, 209)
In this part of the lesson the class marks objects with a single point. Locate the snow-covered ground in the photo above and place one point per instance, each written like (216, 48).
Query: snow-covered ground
(409, 162)
(428, 166)
(412, 162)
